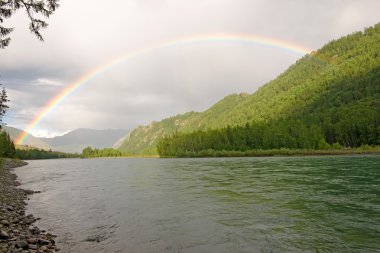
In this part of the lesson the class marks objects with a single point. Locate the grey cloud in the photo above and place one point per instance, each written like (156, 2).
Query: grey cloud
(167, 81)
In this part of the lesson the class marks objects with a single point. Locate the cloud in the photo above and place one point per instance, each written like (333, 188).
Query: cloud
(83, 35)
(46, 82)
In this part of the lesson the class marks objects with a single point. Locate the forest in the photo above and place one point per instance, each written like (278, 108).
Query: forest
(36, 154)
(106, 152)
(254, 139)
(7, 147)
(8, 150)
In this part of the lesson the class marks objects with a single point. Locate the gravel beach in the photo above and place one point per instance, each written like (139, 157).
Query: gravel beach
(17, 232)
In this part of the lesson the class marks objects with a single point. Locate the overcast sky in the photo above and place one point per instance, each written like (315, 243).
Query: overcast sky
(87, 33)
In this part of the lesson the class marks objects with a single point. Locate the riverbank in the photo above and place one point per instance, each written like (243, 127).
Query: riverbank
(279, 152)
(17, 232)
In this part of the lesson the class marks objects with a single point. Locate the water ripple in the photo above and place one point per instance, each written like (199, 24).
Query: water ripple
(288, 204)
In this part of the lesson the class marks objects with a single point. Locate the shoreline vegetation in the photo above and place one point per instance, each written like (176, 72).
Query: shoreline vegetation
(17, 232)
(282, 152)
(30, 153)
(363, 150)
(35, 154)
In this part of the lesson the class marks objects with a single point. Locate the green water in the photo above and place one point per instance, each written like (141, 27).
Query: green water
(290, 204)
(317, 204)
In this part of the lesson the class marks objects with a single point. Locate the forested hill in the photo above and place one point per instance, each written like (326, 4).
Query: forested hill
(143, 139)
(336, 88)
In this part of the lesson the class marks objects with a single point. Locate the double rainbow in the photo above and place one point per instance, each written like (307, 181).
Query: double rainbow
(210, 38)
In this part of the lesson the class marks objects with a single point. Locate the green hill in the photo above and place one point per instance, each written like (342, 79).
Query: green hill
(336, 88)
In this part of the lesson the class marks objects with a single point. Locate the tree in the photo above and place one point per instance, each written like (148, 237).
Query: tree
(3, 105)
(43, 8)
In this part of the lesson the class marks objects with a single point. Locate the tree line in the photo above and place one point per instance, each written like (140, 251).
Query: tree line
(275, 135)
(106, 152)
(35, 154)
(7, 147)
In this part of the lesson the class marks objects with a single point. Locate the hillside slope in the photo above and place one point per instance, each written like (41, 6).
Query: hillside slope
(335, 87)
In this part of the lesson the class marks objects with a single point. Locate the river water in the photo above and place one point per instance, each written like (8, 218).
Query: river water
(278, 204)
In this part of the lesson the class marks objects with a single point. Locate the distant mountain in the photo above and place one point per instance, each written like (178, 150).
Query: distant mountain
(76, 140)
(29, 141)
(336, 88)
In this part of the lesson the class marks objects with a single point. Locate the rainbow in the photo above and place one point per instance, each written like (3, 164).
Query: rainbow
(200, 39)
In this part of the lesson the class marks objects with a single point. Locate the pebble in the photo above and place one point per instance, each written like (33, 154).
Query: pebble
(32, 240)
(33, 247)
(35, 231)
(4, 223)
(3, 235)
(22, 244)
(42, 242)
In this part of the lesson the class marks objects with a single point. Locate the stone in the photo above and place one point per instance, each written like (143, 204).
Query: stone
(5, 222)
(17, 232)
(3, 235)
(28, 192)
(43, 242)
(22, 245)
(32, 240)
(35, 231)
(33, 247)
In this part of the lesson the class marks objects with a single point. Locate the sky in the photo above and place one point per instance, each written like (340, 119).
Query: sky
(83, 35)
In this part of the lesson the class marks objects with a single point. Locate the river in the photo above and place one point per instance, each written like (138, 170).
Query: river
(270, 205)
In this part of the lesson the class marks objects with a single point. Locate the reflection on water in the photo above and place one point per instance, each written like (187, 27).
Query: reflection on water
(291, 204)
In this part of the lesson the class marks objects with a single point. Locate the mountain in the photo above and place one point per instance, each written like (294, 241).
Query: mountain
(119, 142)
(336, 87)
(76, 140)
(29, 141)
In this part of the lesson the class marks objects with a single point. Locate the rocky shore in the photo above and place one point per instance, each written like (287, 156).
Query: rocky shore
(17, 232)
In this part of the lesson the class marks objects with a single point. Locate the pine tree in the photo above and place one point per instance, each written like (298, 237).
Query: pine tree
(3, 105)
(32, 7)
